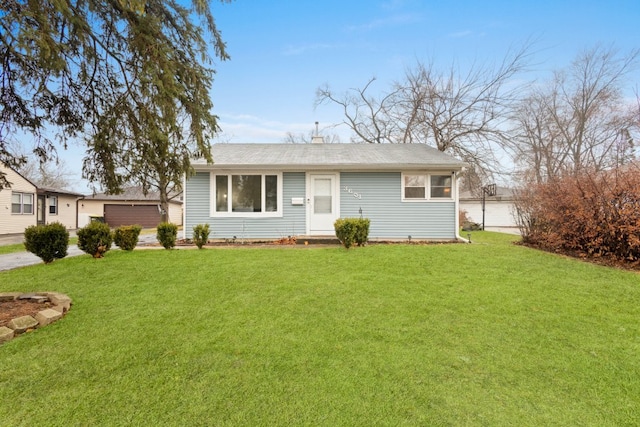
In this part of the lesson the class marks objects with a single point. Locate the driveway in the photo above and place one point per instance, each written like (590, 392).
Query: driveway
(23, 259)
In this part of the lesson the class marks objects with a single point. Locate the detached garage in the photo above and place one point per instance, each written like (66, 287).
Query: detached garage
(147, 216)
(130, 207)
(498, 209)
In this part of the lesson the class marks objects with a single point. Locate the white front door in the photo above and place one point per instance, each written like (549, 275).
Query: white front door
(322, 204)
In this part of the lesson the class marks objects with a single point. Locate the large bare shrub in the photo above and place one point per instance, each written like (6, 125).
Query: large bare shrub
(592, 214)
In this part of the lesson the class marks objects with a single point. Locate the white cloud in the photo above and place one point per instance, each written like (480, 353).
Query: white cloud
(391, 21)
(460, 34)
(293, 50)
(252, 129)
(243, 128)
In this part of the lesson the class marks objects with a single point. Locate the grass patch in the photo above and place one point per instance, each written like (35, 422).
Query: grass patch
(483, 334)
(12, 248)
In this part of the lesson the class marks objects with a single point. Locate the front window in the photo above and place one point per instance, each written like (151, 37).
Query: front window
(21, 203)
(426, 186)
(247, 194)
(53, 205)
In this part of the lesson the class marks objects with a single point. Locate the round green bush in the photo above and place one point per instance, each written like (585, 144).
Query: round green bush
(167, 234)
(95, 239)
(126, 236)
(48, 242)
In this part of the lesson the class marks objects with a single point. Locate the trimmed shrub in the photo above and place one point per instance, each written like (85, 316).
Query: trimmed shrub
(167, 234)
(126, 236)
(201, 235)
(362, 231)
(95, 239)
(48, 242)
(352, 231)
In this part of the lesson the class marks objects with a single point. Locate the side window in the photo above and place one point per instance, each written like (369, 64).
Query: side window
(415, 186)
(440, 186)
(53, 205)
(21, 203)
(424, 186)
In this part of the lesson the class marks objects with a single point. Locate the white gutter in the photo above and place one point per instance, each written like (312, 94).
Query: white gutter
(184, 206)
(457, 211)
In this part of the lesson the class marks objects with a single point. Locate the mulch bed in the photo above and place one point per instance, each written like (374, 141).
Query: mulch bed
(12, 309)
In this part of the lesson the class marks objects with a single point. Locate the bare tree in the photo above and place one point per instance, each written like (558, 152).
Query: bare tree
(302, 138)
(579, 120)
(52, 173)
(461, 113)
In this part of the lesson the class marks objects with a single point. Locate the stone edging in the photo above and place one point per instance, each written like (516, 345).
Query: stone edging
(60, 305)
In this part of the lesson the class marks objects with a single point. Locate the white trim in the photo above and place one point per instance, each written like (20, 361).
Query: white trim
(229, 214)
(427, 190)
(22, 194)
(48, 199)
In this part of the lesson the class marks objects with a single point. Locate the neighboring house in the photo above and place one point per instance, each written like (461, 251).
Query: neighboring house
(498, 209)
(24, 204)
(256, 191)
(17, 204)
(55, 205)
(129, 208)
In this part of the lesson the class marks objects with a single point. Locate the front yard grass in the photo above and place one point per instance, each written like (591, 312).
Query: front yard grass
(19, 247)
(454, 334)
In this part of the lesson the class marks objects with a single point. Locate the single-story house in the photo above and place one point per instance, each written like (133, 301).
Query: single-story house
(498, 209)
(24, 205)
(17, 204)
(266, 191)
(56, 205)
(130, 207)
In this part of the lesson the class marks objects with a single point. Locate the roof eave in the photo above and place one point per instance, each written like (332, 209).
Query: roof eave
(341, 167)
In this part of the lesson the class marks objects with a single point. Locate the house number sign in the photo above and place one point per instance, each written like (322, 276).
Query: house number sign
(353, 193)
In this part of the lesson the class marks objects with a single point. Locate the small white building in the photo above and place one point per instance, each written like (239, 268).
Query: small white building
(498, 209)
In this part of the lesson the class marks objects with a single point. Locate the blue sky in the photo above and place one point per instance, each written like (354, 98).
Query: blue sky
(282, 51)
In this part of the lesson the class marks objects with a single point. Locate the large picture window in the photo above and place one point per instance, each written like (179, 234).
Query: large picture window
(247, 194)
(426, 186)
(21, 203)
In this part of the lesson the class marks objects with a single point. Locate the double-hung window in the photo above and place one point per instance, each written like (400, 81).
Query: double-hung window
(250, 194)
(21, 203)
(53, 205)
(423, 186)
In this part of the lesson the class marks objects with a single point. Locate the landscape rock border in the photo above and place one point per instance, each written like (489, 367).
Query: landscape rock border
(60, 305)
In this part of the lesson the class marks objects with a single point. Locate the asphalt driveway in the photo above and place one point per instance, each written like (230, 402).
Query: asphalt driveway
(23, 259)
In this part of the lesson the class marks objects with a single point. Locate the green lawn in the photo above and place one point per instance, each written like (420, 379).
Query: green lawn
(19, 247)
(12, 248)
(484, 334)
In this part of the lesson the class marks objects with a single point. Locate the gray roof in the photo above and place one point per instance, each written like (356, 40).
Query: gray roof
(132, 194)
(329, 156)
(49, 190)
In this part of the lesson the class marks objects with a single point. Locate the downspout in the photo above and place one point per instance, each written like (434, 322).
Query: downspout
(184, 206)
(457, 208)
